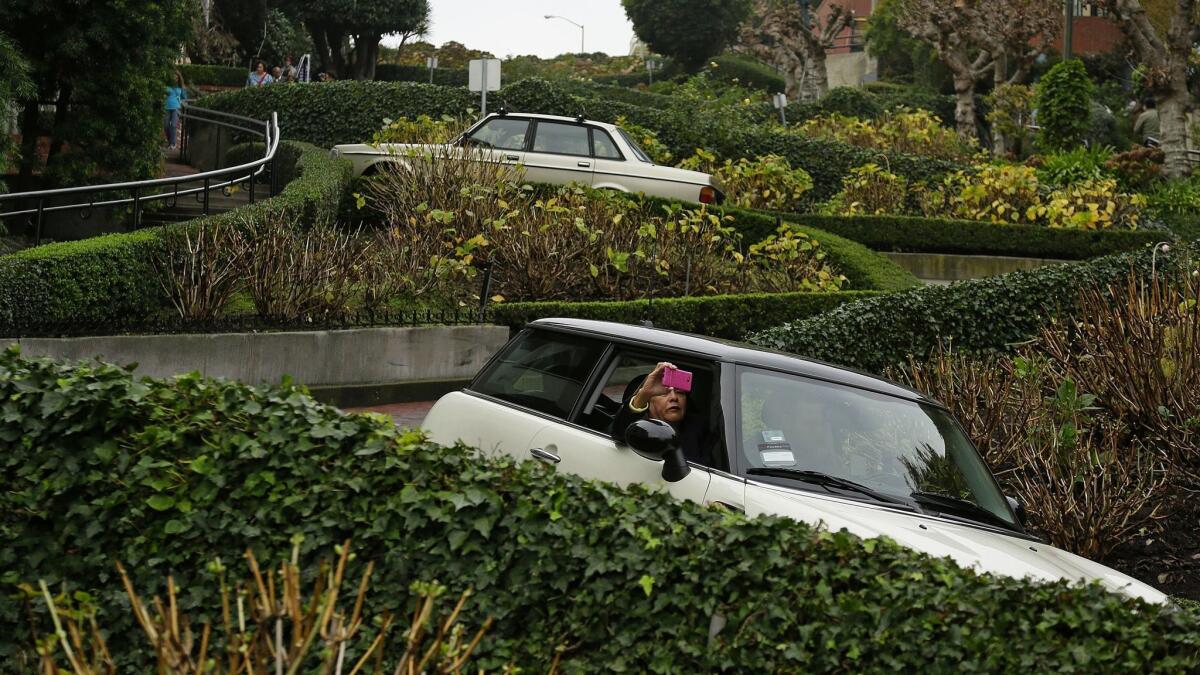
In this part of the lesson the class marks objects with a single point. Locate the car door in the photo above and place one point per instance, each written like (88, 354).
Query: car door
(610, 166)
(586, 447)
(560, 154)
(534, 382)
(500, 139)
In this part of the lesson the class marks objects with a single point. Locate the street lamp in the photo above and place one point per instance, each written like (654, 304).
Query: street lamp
(577, 25)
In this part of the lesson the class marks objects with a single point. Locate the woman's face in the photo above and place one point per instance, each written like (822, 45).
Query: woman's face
(669, 407)
(260, 68)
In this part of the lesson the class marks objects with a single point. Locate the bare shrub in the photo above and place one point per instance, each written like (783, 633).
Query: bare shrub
(300, 275)
(1135, 344)
(268, 626)
(198, 268)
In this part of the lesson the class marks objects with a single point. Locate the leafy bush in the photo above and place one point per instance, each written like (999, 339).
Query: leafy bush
(1063, 104)
(725, 316)
(939, 235)
(979, 315)
(423, 129)
(1136, 169)
(768, 182)
(647, 140)
(113, 278)
(869, 189)
(328, 113)
(1177, 203)
(577, 244)
(1010, 109)
(1092, 205)
(910, 132)
(1061, 169)
(996, 193)
(164, 474)
(225, 76)
(748, 72)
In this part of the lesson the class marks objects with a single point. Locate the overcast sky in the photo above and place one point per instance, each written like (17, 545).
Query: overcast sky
(514, 27)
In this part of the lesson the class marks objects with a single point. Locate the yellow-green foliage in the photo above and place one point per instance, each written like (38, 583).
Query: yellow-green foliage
(1000, 194)
(647, 139)
(1093, 204)
(869, 189)
(911, 132)
(767, 182)
(423, 129)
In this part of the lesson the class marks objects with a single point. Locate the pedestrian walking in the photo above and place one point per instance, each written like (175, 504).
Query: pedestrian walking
(176, 95)
(259, 76)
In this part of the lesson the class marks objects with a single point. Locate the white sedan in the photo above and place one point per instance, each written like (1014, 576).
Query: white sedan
(557, 150)
(762, 433)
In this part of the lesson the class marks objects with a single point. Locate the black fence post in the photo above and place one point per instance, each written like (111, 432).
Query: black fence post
(206, 196)
(137, 208)
(37, 232)
(485, 291)
(252, 181)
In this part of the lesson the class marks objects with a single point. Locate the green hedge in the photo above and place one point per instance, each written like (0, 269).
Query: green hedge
(328, 113)
(748, 72)
(164, 476)
(449, 77)
(976, 315)
(111, 278)
(725, 316)
(226, 76)
(936, 235)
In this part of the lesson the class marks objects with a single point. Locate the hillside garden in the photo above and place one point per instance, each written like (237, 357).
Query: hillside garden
(1078, 382)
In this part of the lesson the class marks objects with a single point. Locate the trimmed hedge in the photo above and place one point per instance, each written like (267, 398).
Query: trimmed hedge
(725, 316)
(449, 77)
(164, 476)
(977, 315)
(937, 235)
(225, 76)
(328, 113)
(112, 277)
(749, 72)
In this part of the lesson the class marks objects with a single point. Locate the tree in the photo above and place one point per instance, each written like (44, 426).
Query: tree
(689, 31)
(1064, 96)
(1164, 43)
(14, 86)
(346, 33)
(787, 35)
(104, 71)
(976, 39)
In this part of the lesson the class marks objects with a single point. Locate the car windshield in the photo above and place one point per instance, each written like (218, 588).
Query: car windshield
(637, 150)
(908, 452)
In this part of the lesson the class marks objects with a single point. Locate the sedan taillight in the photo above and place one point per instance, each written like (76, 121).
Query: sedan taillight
(707, 195)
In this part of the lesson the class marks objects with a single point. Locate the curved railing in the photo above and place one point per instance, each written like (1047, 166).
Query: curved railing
(34, 206)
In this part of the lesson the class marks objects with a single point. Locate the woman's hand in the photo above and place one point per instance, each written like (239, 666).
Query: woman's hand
(652, 386)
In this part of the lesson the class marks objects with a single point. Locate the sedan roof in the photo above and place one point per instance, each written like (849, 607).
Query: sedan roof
(556, 118)
(732, 352)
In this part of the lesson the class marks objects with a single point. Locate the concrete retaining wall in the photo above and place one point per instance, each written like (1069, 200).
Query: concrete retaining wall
(343, 358)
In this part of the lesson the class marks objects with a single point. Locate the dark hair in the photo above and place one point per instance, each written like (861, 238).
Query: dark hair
(1148, 102)
(260, 62)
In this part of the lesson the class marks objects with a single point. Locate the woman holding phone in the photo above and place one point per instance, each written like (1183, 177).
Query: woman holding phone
(663, 395)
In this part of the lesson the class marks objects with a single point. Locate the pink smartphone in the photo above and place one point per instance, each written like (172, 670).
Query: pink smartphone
(681, 380)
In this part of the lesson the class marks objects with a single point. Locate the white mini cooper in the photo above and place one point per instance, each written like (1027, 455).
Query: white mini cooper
(782, 435)
(557, 150)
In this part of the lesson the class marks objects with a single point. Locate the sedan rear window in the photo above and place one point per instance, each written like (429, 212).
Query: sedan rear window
(561, 139)
(541, 370)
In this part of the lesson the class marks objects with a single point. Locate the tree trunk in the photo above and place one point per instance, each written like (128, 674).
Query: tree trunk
(321, 47)
(29, 139)
(62, 112)
(1001, 144)
(1172, 123)
(964, 107)
(816, 78)
(366, 53)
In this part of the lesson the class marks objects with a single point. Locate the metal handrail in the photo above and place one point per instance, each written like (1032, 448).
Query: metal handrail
(269, 131)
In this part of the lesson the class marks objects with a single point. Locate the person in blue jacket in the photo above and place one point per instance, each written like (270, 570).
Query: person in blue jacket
(176, 95)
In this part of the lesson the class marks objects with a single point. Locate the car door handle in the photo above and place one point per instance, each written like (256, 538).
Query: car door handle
(584, 164)
(545, 455)
(512, 158)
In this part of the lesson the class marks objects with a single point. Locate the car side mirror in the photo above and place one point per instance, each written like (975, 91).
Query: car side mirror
(1018, 508)
(657, 441)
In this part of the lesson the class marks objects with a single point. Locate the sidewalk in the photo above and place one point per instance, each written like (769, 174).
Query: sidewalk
(404, 414)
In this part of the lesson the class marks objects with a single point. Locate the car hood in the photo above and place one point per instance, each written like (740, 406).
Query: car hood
(983, 550)
(382, 149)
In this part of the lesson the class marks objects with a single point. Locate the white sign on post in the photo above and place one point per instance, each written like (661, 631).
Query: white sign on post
(484, 76)
(780, 101)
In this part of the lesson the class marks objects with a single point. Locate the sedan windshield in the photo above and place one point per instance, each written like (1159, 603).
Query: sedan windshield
(907, 452)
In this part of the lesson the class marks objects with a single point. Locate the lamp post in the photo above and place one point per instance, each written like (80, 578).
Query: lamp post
(577, 25)
(1068, 30)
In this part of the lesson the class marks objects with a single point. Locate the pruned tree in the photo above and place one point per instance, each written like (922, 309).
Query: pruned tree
(978, 39)
(790, 36)
(346, 33)
(689, 31)
(1165, 51)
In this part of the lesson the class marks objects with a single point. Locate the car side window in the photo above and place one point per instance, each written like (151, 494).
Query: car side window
(503, 133)
(561, 139)
(542, 370)
(603, 146)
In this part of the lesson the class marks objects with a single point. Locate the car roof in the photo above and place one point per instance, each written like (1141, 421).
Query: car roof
(732, 352)
(556, 118)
